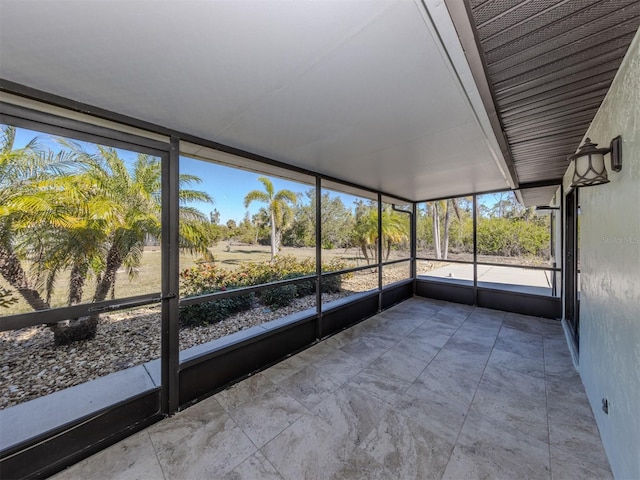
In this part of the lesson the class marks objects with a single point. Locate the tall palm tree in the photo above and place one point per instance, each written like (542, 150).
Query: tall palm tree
(29, 198)
(279, 207)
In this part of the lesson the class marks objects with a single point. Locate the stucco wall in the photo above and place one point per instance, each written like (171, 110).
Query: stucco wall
(610, 275)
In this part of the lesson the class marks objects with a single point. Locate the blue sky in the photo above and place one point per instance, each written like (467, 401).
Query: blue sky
(227, 186)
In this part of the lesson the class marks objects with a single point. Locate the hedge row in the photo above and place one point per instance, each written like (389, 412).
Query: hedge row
(210, 278)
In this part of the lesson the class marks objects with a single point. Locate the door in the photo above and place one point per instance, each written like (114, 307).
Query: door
(572, 266)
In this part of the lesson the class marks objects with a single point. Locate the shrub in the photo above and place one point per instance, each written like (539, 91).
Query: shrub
(208, 313)
(209, 278)
(512, 238)
(279, 296)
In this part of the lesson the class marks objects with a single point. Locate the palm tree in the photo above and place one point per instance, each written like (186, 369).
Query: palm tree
(92, 221)
(279, 207)
(78, 247)
(29, 198)
(395, 229)
(114, 241)
(365, 231)
(135, 199)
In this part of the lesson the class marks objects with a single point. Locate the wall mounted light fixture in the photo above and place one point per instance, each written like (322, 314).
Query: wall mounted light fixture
(589, 163)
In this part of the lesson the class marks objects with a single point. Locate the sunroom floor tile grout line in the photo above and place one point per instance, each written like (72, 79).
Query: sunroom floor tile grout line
(466, 416)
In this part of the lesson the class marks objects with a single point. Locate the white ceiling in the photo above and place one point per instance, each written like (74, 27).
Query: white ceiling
(370, 91)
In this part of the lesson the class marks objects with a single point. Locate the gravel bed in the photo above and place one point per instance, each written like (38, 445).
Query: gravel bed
(32, 366)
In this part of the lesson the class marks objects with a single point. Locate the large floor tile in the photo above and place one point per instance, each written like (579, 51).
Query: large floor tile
(566, 466)
(489, 449)
(463, 343)
(352, 412)
(209, 449)
(361, 466)
(566, 398)
(340, 365)
(387, 388)
(431, 326)
(310, 386)
(418, 348)
(398, 363)
(309, 449)
(267, 415)
(369, 348)
(187, 422)
(422, 404)
(528, 345)
(435, 336)
(526, 323)
(284, 369)
(576, 434)
(450, 317)
(481, 326)
(397, 327)
(453, 382)
(256, 467)
(516, 362)
(131, 459)
(456, 360)
(515, 399)
(315, 353)
(557, 358)
(245, 391)
(408, 449)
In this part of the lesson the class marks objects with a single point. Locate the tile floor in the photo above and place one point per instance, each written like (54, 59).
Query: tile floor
(424, 390)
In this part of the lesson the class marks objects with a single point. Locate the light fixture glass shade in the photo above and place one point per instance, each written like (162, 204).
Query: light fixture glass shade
(589, 167)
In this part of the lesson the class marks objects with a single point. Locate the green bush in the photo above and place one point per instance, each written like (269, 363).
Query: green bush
(208, 313)
(208, 278)
(279, 296)
(512, 238)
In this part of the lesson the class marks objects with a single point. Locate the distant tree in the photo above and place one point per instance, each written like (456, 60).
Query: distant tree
(279, 205)
(214, 217)
(246, 230)
(337, 222)
(435, 219)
